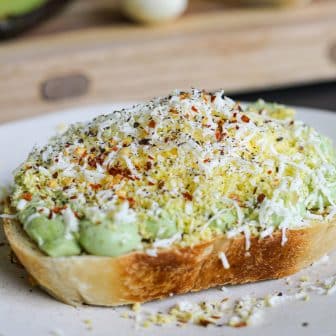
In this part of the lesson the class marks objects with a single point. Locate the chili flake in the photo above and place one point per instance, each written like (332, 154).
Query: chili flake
(27, 196)
(152, 124)
(187, 196)
(261, 198)
(96, 186)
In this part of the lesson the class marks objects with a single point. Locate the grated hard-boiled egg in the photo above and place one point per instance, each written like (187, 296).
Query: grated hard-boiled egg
(179, 170)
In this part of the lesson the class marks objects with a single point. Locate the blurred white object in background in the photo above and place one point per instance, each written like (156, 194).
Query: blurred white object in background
(153, 11)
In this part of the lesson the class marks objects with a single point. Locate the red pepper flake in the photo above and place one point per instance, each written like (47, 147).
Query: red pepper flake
(187, 196)
(27, 196)
(237, 127)
(219, 131)
(92, 162)
(151, 183)
(131, 202)
(77, 215)
(194, 108)
(235, 114)
(152, 124)
(206, 160)
(73, 197)
(57, 210)
(150, 157)
(55, 175)
(245, 118)
(125, 172)
(240, 324)
(148, 165)
(160, 184)
(261, 198)
(114, 148)
(218, 135)
(173, 110)
(96, 186)
(213, 98)
(101, 157)
(269, 172)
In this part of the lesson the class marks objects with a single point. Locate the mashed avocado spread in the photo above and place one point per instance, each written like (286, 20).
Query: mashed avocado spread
(175, 171)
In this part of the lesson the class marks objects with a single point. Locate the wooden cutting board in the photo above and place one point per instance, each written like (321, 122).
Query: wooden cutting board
(90, 55)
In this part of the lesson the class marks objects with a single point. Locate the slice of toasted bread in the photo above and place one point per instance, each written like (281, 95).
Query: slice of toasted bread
(138, 277)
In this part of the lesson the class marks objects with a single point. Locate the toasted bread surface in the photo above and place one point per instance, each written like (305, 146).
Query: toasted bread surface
(139, 277)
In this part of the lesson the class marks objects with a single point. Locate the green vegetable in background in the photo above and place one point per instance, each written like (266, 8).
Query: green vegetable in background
(16, 16)
(18, 7)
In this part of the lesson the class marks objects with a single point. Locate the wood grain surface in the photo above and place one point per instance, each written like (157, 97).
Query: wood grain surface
(111, 59)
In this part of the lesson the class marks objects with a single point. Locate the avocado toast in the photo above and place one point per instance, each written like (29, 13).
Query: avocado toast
(184, 193)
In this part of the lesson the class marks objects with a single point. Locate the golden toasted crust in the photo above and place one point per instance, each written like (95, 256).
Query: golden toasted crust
(138, 277)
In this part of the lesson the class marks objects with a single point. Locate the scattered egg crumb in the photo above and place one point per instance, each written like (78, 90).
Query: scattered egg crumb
(227, 312)
(136, 307)
(304, 278)
(61, 128)
(88, 324)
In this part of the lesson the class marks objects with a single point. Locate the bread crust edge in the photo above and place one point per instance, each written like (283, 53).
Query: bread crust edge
(139, 277)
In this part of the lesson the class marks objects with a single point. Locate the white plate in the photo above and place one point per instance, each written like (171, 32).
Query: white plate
(29, 311)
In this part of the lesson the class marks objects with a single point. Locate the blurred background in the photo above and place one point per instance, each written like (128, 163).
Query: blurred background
(56, 54)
